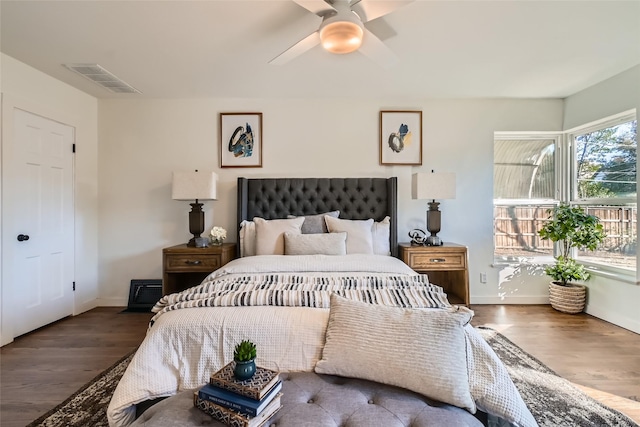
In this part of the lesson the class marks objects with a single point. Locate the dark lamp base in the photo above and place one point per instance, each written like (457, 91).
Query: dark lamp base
(433, 224)
(433, 241)
(196, 225)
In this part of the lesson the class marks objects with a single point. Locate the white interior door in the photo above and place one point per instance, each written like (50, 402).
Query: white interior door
(38, 232)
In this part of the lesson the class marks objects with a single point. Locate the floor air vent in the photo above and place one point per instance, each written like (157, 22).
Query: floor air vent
(143, 294)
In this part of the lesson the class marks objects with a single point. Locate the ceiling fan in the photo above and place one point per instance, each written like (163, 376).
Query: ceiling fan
(342, 29)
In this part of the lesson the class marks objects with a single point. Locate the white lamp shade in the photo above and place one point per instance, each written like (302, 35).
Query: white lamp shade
(441, 185)
(194, 185)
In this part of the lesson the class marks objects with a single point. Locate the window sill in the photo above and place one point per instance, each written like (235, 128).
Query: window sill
(618, 274)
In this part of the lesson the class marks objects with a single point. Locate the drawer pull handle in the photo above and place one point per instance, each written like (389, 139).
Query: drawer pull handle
(437, 260)
(197, 262)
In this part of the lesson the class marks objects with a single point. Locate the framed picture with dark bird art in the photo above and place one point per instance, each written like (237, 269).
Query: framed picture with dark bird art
(400, 137)
(241, 140)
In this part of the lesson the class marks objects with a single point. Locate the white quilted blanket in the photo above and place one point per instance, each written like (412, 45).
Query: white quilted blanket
(184, 346)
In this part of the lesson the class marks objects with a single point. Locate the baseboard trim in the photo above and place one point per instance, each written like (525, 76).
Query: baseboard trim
(112, 302)
(612, 317)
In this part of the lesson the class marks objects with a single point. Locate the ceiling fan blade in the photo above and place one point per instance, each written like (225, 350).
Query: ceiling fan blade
(297, 49)
(370, 10)
(375, 49)
(319, 7)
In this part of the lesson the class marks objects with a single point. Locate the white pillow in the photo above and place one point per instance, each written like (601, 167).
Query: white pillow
(380, 236)
(315, 244)
(359, 236)
(270, 234)
(380, 232)
(423, 350)
(247, 238)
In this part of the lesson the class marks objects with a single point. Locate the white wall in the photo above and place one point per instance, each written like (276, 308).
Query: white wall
(609, 299)
(26, 88)
(142, 142)
(615, 95)
(123, 224)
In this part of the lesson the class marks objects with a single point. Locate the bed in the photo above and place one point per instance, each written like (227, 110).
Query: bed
(319, 290)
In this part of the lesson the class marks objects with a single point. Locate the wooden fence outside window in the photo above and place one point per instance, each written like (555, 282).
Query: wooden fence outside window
(516, 230)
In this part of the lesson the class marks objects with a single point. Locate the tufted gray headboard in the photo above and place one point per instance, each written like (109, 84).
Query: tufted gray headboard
(356, 198)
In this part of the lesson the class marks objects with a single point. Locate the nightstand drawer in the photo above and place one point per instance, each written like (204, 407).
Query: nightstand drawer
(445, 265)
(185, 266)
(436, 261)
(191, 262)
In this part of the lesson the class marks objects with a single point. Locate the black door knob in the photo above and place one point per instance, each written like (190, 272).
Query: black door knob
(23, 237)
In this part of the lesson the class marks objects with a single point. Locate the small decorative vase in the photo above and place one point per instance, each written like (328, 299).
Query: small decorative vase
(216, 242)
(245, 369)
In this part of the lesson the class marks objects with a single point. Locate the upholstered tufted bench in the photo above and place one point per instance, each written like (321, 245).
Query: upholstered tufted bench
(310, 400)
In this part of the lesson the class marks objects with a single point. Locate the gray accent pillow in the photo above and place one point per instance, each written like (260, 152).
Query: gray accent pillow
(315, 244)
(314, 224)
(423, 350)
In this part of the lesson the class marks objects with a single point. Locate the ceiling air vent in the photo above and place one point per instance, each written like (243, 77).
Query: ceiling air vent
(102, 77)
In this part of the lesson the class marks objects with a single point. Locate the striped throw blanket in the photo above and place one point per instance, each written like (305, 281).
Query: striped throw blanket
(293, 290)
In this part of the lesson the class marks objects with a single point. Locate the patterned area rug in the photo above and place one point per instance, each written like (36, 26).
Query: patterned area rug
(87, 407)
(552, 400)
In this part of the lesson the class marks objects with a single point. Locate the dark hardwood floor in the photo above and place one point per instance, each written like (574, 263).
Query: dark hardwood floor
(580, 348)
(600, 358)
(42, 368)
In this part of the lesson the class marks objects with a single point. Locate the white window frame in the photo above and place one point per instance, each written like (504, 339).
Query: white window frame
(566, 189)
(557, 137)
(570, 191)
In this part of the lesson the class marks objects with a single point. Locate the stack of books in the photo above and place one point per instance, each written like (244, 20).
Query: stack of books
(247, 403)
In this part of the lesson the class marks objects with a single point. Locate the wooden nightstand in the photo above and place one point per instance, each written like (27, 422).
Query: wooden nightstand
(184, 266)
(446, 265)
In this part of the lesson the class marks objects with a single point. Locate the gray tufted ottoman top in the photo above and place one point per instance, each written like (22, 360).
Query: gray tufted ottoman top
(311, 400)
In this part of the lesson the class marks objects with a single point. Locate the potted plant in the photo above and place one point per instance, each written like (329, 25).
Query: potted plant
(245, 357)
(572, 226)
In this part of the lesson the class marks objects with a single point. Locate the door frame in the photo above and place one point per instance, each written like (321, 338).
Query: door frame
(10, 103)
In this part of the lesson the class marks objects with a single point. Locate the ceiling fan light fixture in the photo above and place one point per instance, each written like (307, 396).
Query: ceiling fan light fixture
(341, 36)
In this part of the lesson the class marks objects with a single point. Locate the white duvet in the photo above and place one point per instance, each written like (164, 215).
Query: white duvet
(183, 347)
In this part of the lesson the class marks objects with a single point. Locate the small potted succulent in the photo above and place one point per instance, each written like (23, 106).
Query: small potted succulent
(572, 226)
(245, 357)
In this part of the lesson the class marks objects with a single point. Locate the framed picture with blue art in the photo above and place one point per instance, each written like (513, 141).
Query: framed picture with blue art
(400, 137)
(240, 140)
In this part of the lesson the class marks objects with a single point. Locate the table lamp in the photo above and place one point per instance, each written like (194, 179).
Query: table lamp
(196, 186)
(441, 185)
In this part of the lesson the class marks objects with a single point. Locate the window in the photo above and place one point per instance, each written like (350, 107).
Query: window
(604, 162)
(524, 187)
(593, 166)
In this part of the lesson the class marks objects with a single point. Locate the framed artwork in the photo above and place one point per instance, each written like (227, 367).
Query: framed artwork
(400, 137)
(240, 140)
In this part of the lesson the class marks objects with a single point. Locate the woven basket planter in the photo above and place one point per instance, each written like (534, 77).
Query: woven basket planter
(567, 299)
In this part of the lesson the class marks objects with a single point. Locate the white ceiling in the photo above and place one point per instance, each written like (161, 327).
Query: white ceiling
(217, 48)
